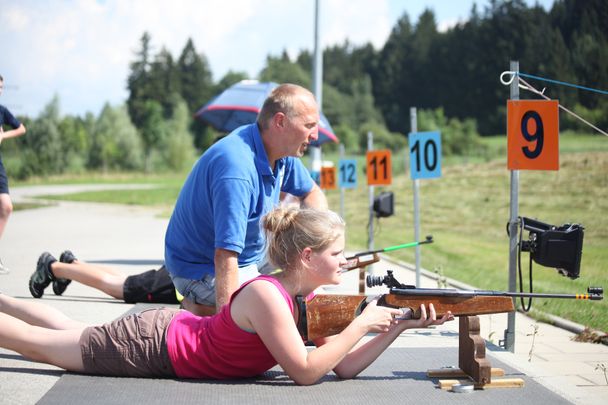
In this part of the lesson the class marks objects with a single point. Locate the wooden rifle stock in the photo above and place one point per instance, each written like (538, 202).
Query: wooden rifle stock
(328, 314)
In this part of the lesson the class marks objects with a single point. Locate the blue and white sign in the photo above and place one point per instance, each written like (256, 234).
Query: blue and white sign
(347, 177)
(425, 154)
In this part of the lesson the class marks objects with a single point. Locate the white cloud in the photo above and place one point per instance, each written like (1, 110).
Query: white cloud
(359, 21)
(445, 25)
(13, 18)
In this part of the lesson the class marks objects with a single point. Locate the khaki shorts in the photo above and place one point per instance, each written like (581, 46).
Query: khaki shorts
(133, 346)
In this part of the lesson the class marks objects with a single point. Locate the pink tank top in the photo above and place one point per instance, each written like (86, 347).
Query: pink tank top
(215, 346)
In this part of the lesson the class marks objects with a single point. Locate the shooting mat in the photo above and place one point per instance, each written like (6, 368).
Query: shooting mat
(396, 377)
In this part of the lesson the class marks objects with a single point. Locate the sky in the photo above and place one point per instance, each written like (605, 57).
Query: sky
(80, 50)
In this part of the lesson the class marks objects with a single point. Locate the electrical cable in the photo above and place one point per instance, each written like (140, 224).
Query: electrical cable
(526, 308)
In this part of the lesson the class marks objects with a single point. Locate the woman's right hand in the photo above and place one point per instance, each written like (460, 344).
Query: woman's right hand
(378, 319)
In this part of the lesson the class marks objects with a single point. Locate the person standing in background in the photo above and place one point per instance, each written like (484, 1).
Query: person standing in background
(6, 205)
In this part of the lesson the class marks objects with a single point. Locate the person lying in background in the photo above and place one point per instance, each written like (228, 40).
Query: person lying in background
(153, 286)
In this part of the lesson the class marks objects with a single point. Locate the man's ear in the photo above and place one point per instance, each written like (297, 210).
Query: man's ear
(279, 120)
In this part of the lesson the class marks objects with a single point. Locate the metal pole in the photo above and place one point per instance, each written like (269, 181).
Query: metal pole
(416, 185)
(317, 77)
(370, 240)
(341, 188)
(318, 65)
(509, 342)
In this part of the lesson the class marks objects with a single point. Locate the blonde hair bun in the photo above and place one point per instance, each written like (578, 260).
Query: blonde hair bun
(290, 230)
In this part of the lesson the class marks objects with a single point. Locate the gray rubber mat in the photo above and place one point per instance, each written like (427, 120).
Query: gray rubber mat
(397, 377)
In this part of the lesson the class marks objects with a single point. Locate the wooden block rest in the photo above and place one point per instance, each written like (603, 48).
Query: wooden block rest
(496, 383)
(458, 373)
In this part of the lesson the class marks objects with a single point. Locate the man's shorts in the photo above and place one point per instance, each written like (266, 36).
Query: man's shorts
(151, 286)
(3, 179)
(203, 291)
(133, 346)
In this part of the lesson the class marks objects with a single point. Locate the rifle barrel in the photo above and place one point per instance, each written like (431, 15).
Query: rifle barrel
(596, 293)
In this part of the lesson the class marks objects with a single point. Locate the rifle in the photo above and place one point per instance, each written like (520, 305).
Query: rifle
(363, 259)
(329, 314)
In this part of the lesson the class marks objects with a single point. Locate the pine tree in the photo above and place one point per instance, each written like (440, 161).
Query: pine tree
(138, 83)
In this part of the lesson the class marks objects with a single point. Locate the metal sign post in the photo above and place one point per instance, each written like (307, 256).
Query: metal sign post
(509, 342)
(341, 186)
(317, 78)
(370, 240)
(416, 186)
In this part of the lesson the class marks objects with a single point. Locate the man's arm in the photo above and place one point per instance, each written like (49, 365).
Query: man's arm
(226, 276)
(13, 133)
(314, 199)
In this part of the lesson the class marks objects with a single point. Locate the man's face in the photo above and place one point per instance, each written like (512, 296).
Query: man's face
(302, 128)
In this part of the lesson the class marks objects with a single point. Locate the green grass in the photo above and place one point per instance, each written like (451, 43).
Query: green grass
(164, 191)
(164, 194)
(466, 211)
(105, 178)
(27, 206)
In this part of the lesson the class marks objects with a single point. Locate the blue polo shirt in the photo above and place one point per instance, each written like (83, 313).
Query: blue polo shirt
(226, 194)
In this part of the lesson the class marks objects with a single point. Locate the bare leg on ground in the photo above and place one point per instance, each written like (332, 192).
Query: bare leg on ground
(103, 278)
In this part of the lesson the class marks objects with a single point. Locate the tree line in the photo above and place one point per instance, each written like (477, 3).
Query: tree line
(451, 76)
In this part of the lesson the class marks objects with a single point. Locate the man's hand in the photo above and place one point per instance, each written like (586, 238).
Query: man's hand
(226, 276)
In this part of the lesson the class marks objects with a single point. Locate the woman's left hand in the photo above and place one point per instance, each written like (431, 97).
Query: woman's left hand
(426, 319)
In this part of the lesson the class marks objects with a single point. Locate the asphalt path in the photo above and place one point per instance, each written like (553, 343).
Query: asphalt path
(131, 239)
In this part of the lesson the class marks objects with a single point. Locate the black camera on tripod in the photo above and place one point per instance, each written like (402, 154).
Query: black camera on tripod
(552, 246)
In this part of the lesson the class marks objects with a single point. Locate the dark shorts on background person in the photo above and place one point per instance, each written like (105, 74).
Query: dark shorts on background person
(133, 346)
(153, 286)
(3, 179)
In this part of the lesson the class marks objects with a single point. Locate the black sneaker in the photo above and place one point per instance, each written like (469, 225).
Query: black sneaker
(60, 284)
(43, 276)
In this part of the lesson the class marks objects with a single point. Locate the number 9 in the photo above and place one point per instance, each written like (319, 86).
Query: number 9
(537, 137)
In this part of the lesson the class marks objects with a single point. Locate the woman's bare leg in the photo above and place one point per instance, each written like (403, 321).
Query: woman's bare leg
(36, 313)
(103, 278)
(60, 348)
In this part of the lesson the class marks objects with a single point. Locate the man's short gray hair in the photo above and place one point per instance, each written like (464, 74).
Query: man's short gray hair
(281, 99)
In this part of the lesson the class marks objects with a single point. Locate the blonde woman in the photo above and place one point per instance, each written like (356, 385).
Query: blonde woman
(254, 332)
